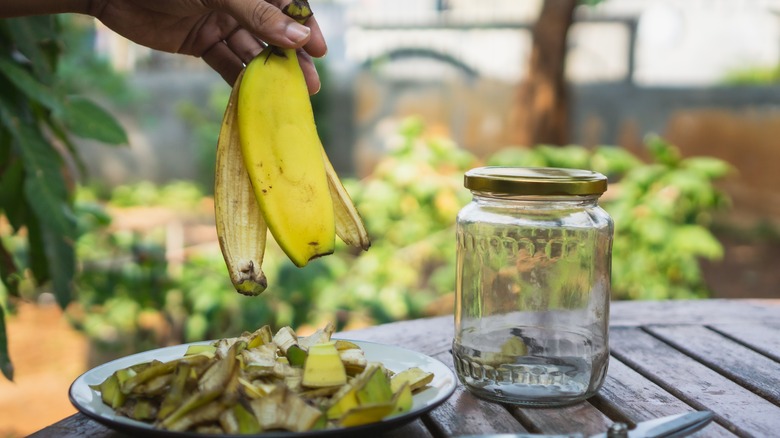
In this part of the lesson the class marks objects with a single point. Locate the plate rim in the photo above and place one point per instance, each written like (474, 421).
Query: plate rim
(135, 426)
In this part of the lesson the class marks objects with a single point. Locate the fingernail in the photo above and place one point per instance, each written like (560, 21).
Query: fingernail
(297, 32)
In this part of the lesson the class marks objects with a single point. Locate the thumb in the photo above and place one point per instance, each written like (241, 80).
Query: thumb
(268, 23)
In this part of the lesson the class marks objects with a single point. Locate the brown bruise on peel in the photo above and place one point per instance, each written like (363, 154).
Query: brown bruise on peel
(316, 256)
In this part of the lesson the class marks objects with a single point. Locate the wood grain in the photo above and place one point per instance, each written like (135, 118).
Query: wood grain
(77, 426)
(703, 312)
(582, 418)
(761, 337)
(464, 414)
(629, 397)
(415, 429)
(742, 365)
(735, 407)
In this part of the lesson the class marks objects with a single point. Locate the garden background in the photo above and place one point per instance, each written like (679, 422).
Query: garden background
(675, 103)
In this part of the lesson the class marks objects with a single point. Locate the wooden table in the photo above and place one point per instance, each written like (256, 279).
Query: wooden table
(667, 357)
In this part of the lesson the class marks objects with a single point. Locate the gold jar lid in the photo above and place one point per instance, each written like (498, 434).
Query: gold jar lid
(535, 181)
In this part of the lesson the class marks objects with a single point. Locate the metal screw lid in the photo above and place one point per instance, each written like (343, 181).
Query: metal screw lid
(535, 181)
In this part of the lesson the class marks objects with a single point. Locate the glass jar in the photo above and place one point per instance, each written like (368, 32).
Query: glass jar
(533, 285)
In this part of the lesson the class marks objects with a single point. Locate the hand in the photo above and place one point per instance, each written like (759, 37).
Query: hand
(227, 34)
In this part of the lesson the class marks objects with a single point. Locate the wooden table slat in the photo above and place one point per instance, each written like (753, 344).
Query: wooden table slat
(464, 414)
(415, 429)
(694, 383)
(77, 426)
(745, 366)
(630, 397)
(703, 312)
(582, 418)
(761, 337)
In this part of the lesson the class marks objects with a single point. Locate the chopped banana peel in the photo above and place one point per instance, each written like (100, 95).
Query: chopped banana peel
(272, 173)
(323, 367)
(415, 377)
(261, 382)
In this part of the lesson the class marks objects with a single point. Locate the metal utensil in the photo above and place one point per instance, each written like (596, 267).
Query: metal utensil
(672, 426)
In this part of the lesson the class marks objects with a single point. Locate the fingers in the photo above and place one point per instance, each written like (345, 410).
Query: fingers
(309, 72)
(265, 20)
(269, 23)
(224, 61)
(316, 46)
(228, 61)
(244, 45)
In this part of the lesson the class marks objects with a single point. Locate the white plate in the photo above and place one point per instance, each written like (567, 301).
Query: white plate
(88, 401)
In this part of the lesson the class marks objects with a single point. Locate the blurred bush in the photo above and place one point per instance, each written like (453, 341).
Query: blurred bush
(753, 76)
(662, 212)
(130, 298)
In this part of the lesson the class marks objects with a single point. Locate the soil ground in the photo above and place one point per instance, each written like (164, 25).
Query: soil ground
(48, 354)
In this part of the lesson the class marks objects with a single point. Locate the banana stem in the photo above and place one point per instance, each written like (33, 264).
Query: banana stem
(298, 10)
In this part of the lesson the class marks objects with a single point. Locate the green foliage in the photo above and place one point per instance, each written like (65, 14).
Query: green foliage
(39, 120)
(132, 297)
(409, 205)
(80, 69)
(205, 122)
(662, 212)
(753, 76)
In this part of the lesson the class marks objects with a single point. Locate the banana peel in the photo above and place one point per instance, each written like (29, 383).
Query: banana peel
(241, 227)
(272, 173)
(282, 154)
(323, 367)
(349, 225)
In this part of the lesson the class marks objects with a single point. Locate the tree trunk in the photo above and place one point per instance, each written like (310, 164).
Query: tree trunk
(541, 110)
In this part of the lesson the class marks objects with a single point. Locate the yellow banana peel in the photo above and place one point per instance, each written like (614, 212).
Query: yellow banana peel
(349, 224)
(281, 151)
(273, 173)
(241, 228)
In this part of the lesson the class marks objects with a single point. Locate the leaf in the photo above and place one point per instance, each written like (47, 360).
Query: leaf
(517, 156)
(44, 186)
(86, 119)
(28, 34)
(11, 198)
(571, 156)
(29, 85)
(61, 255)
(5, 360)
(696, 240)
(663, 151)
(613, 160)
(9, 271)
(36, 254)
(712, 168)
(62, 134)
